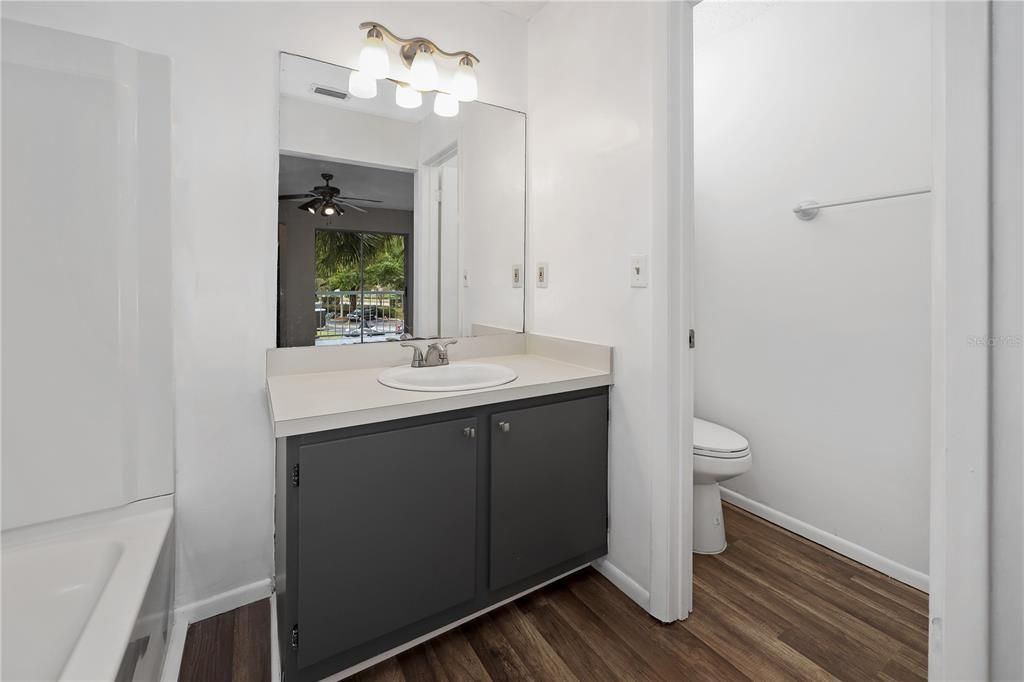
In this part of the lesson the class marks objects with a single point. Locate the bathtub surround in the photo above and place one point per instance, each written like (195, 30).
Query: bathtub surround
(88, 420)
(88, 444)
(814, 336)
(225, 143)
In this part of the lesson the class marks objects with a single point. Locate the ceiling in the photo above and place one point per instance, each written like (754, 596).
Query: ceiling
(299, 75)
(523, 10)
(393, 188)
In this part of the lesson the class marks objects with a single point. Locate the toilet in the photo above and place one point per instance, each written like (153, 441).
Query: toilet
(718, 455)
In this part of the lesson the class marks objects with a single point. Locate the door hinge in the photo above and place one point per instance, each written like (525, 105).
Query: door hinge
(693, 339)
(295, 475)
(295, 636)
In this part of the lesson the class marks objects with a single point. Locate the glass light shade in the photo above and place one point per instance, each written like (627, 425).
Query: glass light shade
(362, 86)
(423, 72)
(464, 84)
(408, 97)
(446, 105)
(373, 58)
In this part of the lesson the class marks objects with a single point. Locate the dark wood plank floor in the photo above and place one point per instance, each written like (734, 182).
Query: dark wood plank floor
(231, 647)
(773, 606)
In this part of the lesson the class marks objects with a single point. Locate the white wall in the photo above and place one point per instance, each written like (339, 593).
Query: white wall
(596, 173)
(322, 131)
(491, 144)
(224, 216)
(87, 385)
(1007, 537)
(813, 337)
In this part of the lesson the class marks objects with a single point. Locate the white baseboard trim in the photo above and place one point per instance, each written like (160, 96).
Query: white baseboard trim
(626, 585)
(206, 608)
(175, 649)
(849, 549)
(225, 601)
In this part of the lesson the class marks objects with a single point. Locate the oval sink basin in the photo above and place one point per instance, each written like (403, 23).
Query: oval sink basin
(458, 376)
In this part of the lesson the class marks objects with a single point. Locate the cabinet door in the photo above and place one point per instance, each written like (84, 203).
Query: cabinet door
(549, 487)
(387, 533)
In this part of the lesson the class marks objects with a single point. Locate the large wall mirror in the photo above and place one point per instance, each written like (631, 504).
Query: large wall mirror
(395, 222)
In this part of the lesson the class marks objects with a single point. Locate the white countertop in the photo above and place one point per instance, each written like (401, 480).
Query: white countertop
(319, 401)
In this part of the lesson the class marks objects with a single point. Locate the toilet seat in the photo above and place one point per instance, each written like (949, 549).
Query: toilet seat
(716, 441)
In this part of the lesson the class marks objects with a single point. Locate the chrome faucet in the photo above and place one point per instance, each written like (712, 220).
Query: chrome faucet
(417, 354)
(436, 355)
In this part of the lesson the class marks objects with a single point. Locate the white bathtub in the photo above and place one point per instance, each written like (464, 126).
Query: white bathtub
(88, 598)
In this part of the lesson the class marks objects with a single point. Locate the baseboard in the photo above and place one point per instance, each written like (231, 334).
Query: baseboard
(225, 601)
(626, 585)
(860, 554)
(203, 609)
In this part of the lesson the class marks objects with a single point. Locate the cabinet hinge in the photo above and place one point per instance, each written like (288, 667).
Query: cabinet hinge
(295, 475)
(295, 636)
(693, 339)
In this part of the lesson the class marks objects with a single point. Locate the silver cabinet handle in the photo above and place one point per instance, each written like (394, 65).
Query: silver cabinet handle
(504, 427)
(469, 432)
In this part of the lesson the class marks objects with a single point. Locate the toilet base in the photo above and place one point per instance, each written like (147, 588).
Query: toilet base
(708, 523)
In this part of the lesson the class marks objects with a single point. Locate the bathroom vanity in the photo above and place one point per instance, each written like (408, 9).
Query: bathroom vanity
(409, 511)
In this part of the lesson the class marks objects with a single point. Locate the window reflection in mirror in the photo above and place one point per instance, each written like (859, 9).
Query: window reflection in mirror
(395, 222)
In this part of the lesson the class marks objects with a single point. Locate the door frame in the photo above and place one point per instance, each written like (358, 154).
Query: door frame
(961, 235)
(958, 643)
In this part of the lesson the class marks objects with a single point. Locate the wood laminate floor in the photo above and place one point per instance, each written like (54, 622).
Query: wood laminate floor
(773, 606)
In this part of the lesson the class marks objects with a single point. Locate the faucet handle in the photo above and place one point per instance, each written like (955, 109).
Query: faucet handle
(417, 353)
(441, 346)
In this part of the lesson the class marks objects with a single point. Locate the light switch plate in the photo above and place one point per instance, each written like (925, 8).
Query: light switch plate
(543, 275)
(517, 276)
(638, 271)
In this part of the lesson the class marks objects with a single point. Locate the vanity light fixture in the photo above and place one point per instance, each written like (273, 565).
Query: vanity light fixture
(362, 86)
(373, 58)
(464, 83)
(446, 105)
(420, 57)
(408, 97)
(423, 70)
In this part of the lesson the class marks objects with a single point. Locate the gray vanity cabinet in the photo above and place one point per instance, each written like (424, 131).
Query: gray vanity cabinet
(388, 533)
(549, 486)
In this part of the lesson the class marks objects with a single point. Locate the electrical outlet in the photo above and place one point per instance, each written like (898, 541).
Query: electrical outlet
(543, 275)
(517, 276)
(638, 271)
(465, 278)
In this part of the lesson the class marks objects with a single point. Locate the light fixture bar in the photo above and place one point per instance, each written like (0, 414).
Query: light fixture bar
(410, 46)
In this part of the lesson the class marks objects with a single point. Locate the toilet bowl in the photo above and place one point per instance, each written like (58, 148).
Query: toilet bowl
(718, 455)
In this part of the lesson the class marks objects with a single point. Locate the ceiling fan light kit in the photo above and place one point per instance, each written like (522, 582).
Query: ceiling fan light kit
(420, 58)
(324, 200)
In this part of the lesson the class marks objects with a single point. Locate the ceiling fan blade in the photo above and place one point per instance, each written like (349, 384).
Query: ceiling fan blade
(294, 197)
(372, 201)
(345, 203)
